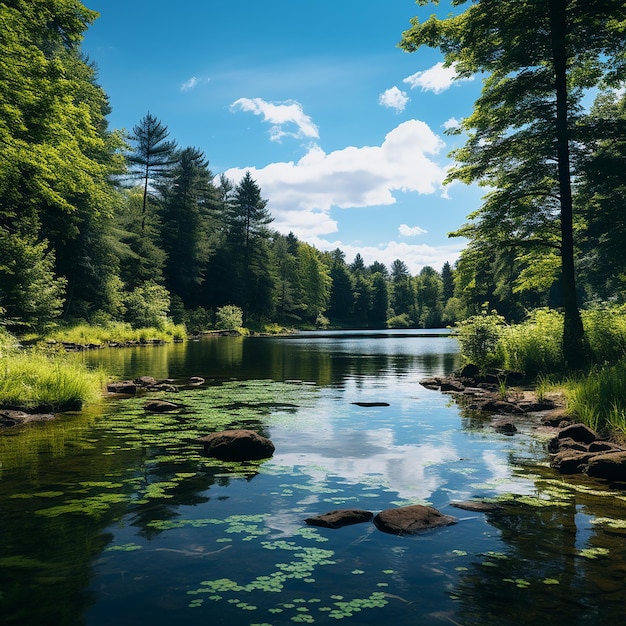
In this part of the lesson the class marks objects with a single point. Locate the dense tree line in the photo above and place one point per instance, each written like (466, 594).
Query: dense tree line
(98, 226)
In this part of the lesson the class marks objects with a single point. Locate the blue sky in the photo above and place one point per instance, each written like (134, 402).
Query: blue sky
(343, 131)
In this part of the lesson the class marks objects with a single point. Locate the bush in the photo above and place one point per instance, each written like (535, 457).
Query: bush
(605, 330)
(228, 317)
(148, 305)
(535, 346)
(479, 339)
(399, 321)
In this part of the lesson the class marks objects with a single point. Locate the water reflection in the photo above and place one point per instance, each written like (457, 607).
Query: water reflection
(114, 515)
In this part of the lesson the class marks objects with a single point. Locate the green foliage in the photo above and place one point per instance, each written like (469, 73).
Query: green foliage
(400, 321)
(116, 332)
(479, 338)
(605, 328)
(535, 346)
(228, 317)
(599, 398)
(148, 305)
(30, 379)
(30, 293)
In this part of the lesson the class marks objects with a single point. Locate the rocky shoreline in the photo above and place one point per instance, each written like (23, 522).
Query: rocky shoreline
(574, 447)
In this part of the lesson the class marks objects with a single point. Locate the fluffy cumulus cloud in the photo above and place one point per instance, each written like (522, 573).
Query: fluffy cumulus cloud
(411, 231)
(282, 116)
(394, 98)
(302, 193)
(415, 256)
(436, 79)
(451, 124)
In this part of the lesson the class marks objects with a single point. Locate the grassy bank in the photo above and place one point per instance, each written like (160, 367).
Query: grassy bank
(35, 380)
(117, 332)
(596, 392)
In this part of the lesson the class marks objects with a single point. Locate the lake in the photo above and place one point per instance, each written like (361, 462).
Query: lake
(113, 515)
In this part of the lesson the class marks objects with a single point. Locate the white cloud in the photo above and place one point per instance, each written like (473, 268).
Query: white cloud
(415, 256)
(411, 231)
(189, 84)
(394, 99)
(301, 194)
(451, 123)
(436, 79)
(279, 114)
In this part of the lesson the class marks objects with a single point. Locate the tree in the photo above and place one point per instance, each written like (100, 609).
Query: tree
(152, 156)
(341, 301)
(248, 239)
(539, 58)
(188, 198)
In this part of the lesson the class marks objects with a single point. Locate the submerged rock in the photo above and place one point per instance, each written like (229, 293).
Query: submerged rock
(10, 418)
(410, 520)
(477, 506)
(161, 406)
(340, 517)
(505, 427)
(237, 445)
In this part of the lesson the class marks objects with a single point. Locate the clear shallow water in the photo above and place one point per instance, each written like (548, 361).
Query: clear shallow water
(113, 515)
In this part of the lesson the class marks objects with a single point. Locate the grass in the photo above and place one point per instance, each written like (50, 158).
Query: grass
(117, 332)
(599, 398)
(34, 380)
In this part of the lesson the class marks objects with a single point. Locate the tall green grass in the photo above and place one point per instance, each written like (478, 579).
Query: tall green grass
(31, 379)
(118, 332)
(599, 398)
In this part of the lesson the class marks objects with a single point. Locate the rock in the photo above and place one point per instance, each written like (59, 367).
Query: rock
(505, 427)
(127, 387)
(431, 383)
(578, 432)
(410, 520)
(476, 506)
(161, 406)
(145, 381)
(499, 406)
(237, 445)
(470, 371)
(453, 386)
(196, 380)
(556, 445)
(570, 461)
(368, 404)
(611, 466)
(167, 387)
(339, 518)
(10, 418)
(604, 446)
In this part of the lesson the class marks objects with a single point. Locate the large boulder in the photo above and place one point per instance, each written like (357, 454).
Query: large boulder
(410, 520)
(578, 432)
(339, 518)
(611, 466)
(237, 445)
(570, 460)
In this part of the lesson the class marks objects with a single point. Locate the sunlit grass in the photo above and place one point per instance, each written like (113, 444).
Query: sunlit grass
(117, 332)
(31, 379)
(599, 398)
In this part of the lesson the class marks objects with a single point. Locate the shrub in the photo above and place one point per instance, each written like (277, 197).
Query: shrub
(535, 345)
(399, 321)
(605, 330)
(148, 305)
(228, 317)
(479, 339)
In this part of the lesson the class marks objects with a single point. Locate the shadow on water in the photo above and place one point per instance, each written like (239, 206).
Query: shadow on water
(114, 516)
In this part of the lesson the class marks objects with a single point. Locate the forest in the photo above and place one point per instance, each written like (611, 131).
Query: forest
(100, 225)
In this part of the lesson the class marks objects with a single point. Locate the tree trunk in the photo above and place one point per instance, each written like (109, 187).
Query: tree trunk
(573, 333)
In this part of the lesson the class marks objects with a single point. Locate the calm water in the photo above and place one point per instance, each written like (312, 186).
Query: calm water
(112, 516)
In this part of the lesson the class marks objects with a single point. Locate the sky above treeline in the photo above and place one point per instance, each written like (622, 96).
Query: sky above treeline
(343, 131)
